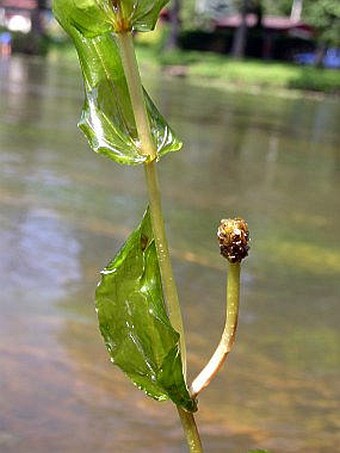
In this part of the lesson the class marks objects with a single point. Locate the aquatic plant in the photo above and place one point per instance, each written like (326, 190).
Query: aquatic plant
(136, 300)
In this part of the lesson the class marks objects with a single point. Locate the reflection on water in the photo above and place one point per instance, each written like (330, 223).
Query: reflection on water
(65, 211)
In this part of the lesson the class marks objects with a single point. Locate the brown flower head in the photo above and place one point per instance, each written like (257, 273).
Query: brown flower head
(233, 239)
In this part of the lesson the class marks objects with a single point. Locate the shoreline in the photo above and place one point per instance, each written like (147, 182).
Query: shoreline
(254, 77)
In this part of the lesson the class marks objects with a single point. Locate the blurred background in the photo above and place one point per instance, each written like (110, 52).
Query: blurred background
(252, 90)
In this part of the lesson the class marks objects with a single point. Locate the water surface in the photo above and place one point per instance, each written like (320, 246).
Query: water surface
(64, 213)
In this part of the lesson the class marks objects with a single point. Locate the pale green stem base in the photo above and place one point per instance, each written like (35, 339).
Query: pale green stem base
(148, 149)
(190, 431)
(228, 336)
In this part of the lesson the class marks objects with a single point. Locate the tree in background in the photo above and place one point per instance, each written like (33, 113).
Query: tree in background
(213, 9)
(174, 25)
(35, 42)
(37, 18)
(296, 10)
(324, 15)
(240, 38)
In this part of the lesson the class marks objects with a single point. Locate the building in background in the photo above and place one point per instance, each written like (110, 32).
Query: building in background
(27, 21)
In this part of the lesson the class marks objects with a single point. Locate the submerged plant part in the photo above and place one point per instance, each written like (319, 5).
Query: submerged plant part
(136, 300)
(108, 117)
(133, 320)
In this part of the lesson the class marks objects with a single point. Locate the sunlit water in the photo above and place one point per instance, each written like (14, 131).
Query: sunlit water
(65, 212)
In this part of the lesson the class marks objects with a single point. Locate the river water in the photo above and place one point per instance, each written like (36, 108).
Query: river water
(64, 213)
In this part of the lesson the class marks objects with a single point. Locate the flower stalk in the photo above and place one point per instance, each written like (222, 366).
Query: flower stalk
(227, 340)
(233, 237)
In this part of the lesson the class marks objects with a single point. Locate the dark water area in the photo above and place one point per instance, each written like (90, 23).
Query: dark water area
(65, 211)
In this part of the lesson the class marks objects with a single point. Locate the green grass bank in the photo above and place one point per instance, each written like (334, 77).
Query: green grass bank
(224, 72)
(243, 75)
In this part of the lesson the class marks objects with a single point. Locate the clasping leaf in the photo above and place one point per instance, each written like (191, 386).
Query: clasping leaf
(107, 118)
(134, 323)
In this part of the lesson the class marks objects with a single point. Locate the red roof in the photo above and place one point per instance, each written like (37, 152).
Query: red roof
(19, 4)
(270, 22)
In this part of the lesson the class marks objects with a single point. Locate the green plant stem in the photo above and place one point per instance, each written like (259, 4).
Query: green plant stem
(190, 431)
(125, 42)
(127, 52)
(168, 280)
(229, 333)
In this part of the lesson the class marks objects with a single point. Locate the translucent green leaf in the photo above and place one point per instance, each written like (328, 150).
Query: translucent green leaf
(134, 322)
(86, 16)
(107, 118)
(94, 17)
(142, 15)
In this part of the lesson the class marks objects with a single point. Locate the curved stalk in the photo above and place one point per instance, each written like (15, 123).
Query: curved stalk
(229, 333)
